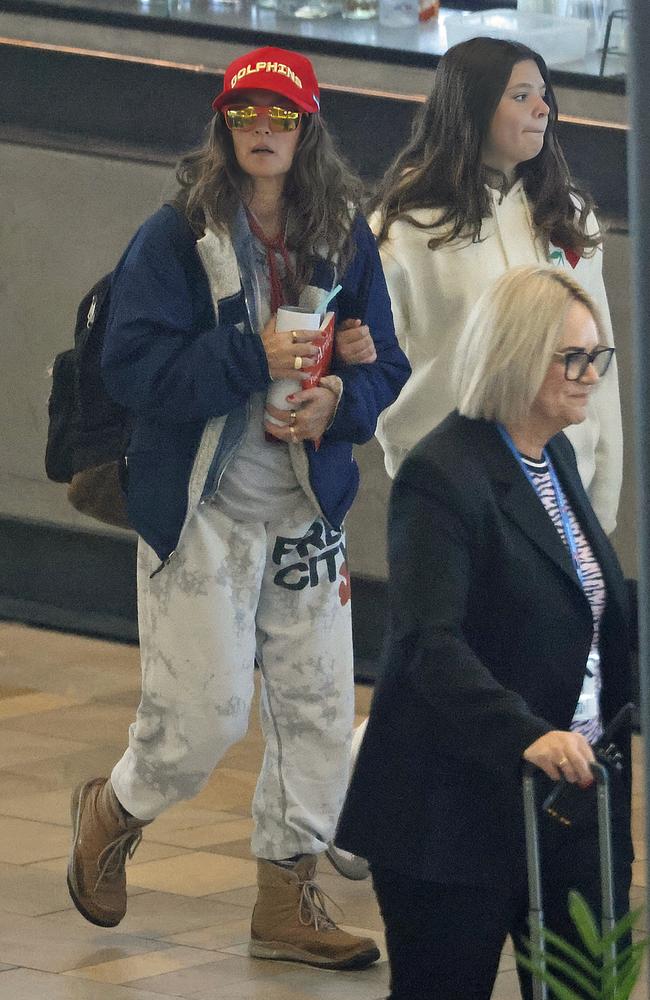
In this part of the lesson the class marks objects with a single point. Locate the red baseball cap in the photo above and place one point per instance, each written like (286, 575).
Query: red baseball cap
(277, 70)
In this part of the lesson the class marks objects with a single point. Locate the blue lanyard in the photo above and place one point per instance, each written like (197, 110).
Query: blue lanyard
(560, 500)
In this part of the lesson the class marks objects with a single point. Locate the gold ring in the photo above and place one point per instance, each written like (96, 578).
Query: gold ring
(297, 362)
(292, 417)
(294, 337)
(561, 763)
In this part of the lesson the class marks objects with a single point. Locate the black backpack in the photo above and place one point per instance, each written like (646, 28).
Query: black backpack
(88, 431)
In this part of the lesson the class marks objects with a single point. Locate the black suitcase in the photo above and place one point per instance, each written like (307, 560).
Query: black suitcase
(536, 903)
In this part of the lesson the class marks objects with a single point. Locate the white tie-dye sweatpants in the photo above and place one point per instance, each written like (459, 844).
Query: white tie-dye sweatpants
(234, 592)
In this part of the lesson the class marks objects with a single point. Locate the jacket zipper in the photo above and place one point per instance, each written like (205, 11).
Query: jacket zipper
(165, 562)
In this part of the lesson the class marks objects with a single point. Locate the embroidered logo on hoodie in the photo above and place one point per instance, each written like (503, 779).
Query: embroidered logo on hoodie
(561, 255)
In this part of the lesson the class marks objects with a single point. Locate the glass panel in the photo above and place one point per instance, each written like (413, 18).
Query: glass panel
(576, 36)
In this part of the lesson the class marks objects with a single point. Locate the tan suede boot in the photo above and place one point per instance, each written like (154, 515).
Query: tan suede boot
(102, 839)
(290, 921)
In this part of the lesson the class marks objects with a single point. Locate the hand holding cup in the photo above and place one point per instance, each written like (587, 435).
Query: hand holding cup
(284, 347)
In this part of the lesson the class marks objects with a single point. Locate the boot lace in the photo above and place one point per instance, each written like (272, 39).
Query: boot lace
(113, 858)
(313, 908)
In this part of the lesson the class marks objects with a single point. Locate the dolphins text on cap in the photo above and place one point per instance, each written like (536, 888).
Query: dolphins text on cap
(268, 67)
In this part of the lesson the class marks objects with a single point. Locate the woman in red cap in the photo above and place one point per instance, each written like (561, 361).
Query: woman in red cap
(239, 505)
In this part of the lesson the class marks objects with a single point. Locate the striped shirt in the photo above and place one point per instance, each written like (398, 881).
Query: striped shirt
(593, 585)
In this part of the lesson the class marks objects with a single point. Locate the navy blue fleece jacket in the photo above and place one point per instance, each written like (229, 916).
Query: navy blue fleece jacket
(174, 367)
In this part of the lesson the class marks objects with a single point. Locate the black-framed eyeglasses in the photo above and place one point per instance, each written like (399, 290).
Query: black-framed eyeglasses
(577, 362)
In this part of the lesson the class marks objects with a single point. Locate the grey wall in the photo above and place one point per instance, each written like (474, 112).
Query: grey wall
(64, 220)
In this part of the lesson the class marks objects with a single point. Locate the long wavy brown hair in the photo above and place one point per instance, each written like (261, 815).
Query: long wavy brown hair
(441, 166)
(321, 193)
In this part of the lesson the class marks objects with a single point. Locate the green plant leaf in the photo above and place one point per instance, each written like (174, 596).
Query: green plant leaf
(562, 992)
(622, 927)
(573, 974)
(628, 983)
(614, 980)
(585, 923)
(617, 974)
(577, 956)
(634, 950)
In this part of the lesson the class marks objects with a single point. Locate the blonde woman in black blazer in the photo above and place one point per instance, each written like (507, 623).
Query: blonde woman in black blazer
(509, 643)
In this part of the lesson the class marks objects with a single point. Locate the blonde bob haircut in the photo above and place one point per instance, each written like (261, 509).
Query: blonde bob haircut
(507, 345)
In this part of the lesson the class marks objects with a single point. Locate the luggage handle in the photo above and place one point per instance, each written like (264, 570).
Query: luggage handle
(535, 897)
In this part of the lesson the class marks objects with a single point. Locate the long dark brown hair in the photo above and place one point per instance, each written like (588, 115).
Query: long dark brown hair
(441, 166)
(321, 193)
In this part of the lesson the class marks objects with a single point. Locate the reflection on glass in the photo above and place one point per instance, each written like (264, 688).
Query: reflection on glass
(595, 12)
(359, 10)
(615, 45)
(309, 9)
(558, 39)
(398, 13)
(580, 36)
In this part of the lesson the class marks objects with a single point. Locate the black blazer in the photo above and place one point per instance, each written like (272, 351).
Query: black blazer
(490, 632)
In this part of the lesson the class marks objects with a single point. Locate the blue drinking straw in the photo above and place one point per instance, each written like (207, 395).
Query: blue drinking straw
(328, 298)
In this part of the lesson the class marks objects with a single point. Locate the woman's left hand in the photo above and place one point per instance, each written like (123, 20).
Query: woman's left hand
(353, 343)
(314, 409)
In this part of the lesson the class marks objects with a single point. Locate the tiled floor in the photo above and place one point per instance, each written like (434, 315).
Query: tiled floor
(65, 704)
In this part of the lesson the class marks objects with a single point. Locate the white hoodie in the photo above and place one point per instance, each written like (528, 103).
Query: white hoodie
(432, 294)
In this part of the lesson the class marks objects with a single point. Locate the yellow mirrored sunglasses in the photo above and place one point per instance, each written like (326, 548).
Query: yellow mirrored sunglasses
(245, 119)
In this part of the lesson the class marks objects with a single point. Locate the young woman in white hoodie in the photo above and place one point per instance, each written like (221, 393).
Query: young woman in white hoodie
(483, 186)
